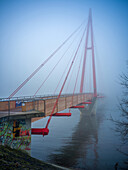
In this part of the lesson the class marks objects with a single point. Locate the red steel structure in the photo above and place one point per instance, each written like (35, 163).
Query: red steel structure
(89, 28)
(45, 131)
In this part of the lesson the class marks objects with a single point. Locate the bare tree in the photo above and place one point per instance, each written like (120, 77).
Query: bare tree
(122, 125)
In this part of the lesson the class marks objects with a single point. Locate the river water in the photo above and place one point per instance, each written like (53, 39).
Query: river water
(82, 141)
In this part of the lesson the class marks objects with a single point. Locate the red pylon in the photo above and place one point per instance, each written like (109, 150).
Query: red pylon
(89, 28)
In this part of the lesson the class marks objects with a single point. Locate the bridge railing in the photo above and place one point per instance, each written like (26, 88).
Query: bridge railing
(43, 103)
(37, 96)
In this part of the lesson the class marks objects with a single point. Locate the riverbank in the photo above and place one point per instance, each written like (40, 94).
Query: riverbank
(17, 159)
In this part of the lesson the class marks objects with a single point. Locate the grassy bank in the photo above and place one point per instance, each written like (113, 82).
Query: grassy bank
(17, 159)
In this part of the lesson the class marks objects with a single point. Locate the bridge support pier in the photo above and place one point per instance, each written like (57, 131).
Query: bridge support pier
(16, 133)
(90, 109)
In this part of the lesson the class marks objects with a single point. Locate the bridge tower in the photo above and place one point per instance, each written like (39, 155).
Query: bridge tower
(89, 28)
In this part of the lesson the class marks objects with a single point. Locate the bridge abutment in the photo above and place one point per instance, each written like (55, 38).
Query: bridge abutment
(16, 133)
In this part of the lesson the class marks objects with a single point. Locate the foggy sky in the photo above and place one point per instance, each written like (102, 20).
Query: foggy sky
(30, 30)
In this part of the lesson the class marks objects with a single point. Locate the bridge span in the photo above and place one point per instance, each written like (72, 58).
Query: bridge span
(40, 106)
(26, 108)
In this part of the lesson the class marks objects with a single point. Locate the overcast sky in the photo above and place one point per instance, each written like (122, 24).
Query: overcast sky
(30, 30)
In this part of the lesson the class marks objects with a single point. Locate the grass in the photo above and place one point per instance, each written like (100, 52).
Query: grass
(17, 159)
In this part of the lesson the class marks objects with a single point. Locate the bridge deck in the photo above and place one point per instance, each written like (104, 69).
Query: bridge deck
(40, 106)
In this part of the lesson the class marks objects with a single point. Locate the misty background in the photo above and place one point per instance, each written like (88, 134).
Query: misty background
(31, 30)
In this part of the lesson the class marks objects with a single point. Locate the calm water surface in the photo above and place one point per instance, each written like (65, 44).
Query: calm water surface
(81, 141)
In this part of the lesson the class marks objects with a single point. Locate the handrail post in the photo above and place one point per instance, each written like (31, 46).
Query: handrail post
(9, 107)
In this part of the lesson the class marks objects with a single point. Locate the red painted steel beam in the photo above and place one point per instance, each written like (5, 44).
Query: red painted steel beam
(62, 114)
(77, 107)
(39, 131)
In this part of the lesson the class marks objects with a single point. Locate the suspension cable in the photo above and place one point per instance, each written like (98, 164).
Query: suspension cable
(63, 74)
(55, 66)
(24, 82)
(76, 81)
(65, 81)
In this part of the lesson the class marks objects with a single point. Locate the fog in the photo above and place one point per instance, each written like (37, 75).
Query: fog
(31, 30)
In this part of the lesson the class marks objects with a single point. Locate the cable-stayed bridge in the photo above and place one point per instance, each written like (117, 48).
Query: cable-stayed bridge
(50, 105)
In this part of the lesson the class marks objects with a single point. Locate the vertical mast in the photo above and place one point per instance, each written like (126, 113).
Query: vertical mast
(85, 54)
(93, 59)
(89, 26)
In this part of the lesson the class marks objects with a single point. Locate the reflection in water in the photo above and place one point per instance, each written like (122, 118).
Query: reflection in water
(83, 141)
(75, 152)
